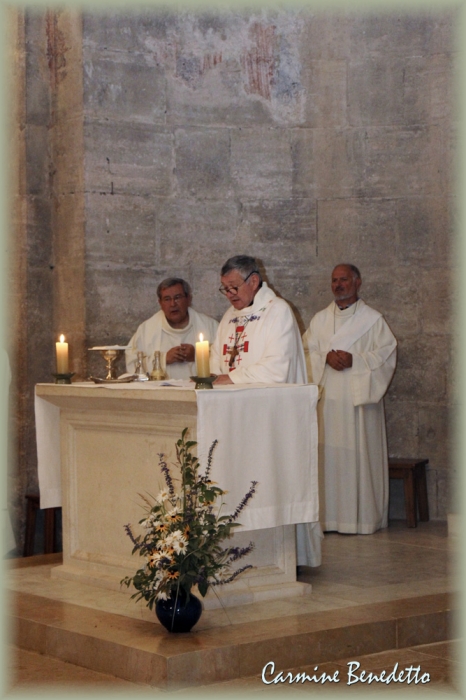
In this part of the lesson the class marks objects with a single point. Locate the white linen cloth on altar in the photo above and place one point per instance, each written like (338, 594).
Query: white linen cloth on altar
(239, 417)
(48, 452)
(261, 430)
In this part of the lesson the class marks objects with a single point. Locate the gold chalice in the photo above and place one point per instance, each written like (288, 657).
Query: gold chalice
(110, 353)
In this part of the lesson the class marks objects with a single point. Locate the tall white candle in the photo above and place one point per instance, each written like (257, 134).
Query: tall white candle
(62, 356)
(202, 357)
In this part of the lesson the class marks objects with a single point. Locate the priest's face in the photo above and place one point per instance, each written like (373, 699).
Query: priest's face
(175, 304)
(345, 285)
(240, 292)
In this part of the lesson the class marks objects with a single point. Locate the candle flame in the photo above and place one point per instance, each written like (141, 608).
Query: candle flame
(62, 338)
(201, 337)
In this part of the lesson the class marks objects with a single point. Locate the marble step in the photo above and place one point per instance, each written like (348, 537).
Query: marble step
(140, 650)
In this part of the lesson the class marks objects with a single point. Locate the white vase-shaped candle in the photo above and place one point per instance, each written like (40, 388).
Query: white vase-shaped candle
(202, 357)
(62, 356)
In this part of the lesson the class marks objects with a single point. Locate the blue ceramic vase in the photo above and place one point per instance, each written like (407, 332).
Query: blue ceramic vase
(178, 614)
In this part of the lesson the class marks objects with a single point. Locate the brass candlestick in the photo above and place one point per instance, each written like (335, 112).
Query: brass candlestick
(204, 382)
(63, 378)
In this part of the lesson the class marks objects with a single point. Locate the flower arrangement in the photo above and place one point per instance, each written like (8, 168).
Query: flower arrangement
(183, 531)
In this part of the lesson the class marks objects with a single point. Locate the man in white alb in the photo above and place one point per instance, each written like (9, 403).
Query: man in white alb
(351, 354)
(258, 342)
(173, 330)
(258, 337)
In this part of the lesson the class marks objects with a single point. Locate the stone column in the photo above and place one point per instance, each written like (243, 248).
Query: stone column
(15, 261)
(46, 243)
(64, 53)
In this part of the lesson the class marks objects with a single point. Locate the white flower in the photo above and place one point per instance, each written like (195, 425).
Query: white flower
(161, 595)
(166, 543)
(148, 523)
(172, 537)
(163, 496)
(176, 541)
(180, 545)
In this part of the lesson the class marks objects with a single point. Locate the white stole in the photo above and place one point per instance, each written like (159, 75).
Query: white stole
(354, 328)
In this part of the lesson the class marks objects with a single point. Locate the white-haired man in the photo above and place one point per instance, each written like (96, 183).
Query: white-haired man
(351, 354)
(258, 341)
(173, 330)
(258, 337)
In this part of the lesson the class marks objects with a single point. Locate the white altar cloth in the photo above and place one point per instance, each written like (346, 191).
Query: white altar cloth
(266, 433)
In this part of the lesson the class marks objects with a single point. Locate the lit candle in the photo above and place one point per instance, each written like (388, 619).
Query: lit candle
(62, 356)
(202, 357)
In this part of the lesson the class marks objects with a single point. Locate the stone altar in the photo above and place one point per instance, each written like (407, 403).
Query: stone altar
(110, 440)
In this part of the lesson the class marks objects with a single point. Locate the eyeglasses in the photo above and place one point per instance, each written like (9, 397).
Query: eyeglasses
(234, 290)
(177, 297)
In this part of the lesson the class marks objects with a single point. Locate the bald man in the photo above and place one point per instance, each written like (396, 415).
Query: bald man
(351, 353)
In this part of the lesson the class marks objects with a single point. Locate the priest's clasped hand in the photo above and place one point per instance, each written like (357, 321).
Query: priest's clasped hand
(339, 359)
(180, 353)
(223, 379)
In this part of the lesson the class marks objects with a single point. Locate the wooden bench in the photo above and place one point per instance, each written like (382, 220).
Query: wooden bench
(413, 473)
(50, 531)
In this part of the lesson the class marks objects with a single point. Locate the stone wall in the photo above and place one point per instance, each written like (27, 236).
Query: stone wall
(302, 138)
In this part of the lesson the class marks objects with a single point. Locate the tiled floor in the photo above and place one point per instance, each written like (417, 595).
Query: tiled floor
(398, 563)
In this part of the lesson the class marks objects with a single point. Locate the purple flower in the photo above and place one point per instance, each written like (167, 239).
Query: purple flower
(243, 503)
(131, 536)
(166, 473)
